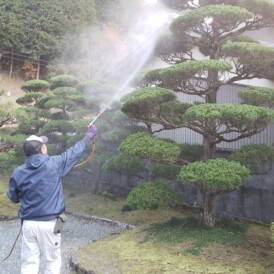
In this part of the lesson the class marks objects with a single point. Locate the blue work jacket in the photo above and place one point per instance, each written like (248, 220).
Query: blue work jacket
(37, 184)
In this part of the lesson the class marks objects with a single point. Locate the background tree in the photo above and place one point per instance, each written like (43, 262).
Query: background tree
(30, 117)
(63, 102)
(115, 126)
(11, 36)
(39, 35)
(211, 27)
(7, 114)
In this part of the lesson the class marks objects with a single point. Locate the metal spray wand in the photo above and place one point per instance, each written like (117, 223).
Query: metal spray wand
(98, 115)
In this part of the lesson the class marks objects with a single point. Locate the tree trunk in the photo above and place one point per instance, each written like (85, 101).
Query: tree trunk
(209, 149)
(209, 208)
(95, 185)
(38, 69)
(11, 63)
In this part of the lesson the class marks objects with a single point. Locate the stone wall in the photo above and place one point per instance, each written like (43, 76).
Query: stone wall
(255, 200)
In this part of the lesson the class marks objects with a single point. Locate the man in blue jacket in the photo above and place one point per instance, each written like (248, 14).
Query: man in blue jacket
(37, 186)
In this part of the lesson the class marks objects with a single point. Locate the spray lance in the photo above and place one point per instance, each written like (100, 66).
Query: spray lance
(93, 121)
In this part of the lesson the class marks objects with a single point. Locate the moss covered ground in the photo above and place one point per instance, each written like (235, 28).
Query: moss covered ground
(160, 244)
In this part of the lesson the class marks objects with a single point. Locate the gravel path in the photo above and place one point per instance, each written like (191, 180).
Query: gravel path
(78, 231)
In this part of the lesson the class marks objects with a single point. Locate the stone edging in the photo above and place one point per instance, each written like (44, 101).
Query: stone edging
(8, 218)
(73, 260)
(77, 268)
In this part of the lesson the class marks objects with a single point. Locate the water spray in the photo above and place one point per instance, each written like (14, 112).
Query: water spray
(93, 121)
(136, 52)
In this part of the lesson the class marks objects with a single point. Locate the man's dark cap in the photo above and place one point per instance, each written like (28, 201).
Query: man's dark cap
(33, 144)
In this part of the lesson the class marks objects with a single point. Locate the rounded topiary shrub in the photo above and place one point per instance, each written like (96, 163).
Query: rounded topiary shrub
(151, 195)
(35, 85)
(63, 81)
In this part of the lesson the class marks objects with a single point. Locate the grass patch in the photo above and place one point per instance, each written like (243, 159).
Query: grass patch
(129, 253)
(7, 208)
(101, 206)
(191, 230)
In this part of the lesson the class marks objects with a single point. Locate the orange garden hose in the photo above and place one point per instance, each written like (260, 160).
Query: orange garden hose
(89, 157)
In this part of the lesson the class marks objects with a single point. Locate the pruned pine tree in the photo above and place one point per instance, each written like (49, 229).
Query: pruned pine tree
(218, 30)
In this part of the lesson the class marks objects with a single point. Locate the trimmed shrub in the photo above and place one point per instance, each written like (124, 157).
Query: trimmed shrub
(168, 172)
(257, 157)
(63, 81)
(151, 195)
(35, 85)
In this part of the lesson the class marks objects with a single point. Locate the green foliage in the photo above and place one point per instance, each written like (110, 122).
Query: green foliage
(31, 119)
(145, 100)
(243, 38)
(91, 86)
(124, 163)
(217, 175)
(7, 113)
(149, 147)
(160, 171)
(64, 98)
(233, 226)
(243, 119)
(171, 77)
(177, 46)
(147, 78)
(30, 126)
(145, 104)
(205, 42)
(50, 23)
(11, 153)
(140, 81)
(63, 81)
(8, 160)
(104, 8)
(96, 92)
(151, 195)
(230, 17)
(257, 96)
(78, 114)
(191, 152)
(58, 103)
(30, 98)
(238, 49)
(11, 34)
(64, 92)
(190, 229)
(59, 126)
(257, 157)
(264, 9)
(253, 59)
(35, 86)
(107, 195)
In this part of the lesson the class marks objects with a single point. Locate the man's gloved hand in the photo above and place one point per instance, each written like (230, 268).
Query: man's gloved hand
(91, 132)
